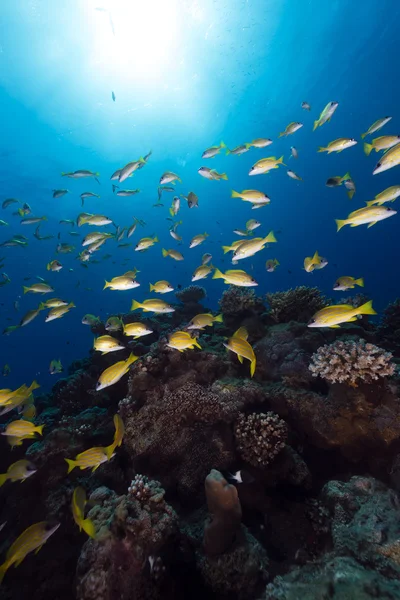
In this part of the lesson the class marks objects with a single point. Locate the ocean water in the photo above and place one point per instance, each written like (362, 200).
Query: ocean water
(187, 74)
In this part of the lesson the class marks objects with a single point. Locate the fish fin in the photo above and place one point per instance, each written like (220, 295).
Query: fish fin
(225, 249)
(107, 285)
(88, 527)
(253, 366)
(152, 287)
(371, 224)
(366, 309)
(280, 161)
(351, 320)
(37, 550)
(217, 274)
(155, 239)
(26, 289)
(241, 333)
(270, 238)
(94, 468)
(363, 135)
(240, 358)
(321, 149)
(164, 252)
(131, 359)
(340, 223)
(360, 282)
(224, 176)
(316, 124)
(71, 464)
(109, 450)
(368, 148)
(171, 212)
(196, 343)
(3, 478)
(370, 202)
(334, 327)
(227, 152)
(235, 194)
(350, 194)
(346, 176)
(39, 429)
(222, 145)
(219, 319)
(282, 133)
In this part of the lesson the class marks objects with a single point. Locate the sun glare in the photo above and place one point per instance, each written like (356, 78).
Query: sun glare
(135, 37)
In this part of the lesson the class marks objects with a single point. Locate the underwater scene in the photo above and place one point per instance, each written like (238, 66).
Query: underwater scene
(200, 300)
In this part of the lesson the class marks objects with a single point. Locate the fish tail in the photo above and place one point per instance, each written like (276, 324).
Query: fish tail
(196, 343)
(363, 135)
(227, 152)
(155, 239)
(34, 385)
(131, 359)
(226, 249)
(42, 306)
(152, 287)
(360, 282)
(71, 305)
(235, 194)
(135, 305)
(340, 223)
(281, 134)
(270, 238)
(222, 145)
(97, 174)
(219, 319)
(71, 464)
(316, 124)
(368, 148)
(218, 274)
(48, 266)
(3, 478)
(346, 176)
(164, 252)
(321, 149)
(350, 194)
(88, 527)
(280, 161)
(171, 212)
(224, 176)
(253, 366)
(366, 309)
(370, 203)
(106, 285)
(39, 429)
(248, 145)
(109, 450)
(63, 174)
(26, 289)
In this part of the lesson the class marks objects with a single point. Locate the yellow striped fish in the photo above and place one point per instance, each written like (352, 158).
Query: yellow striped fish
(239, 345)
(22, 429)
(118, 435)
(91, 458)
(113, 374)
(78, 512)
(182, 340)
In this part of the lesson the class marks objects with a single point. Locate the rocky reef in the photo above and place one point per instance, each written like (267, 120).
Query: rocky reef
(279, 487)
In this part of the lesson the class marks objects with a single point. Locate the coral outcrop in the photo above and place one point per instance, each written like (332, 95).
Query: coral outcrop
(295, 304)
(351, 362)
(238, 301)
(260, 437)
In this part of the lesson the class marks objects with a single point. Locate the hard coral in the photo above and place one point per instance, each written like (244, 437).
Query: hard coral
(351, 362)
(236, 300)
(295, 304)
(193, 293)
(389, 328)
(260, 437)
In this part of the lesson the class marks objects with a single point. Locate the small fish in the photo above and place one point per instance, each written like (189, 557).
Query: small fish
(335, 315)
(350, 187)
(204, 320)
(291, 128)
(239, 150)
(19, 430)
(310, 262)
(38, 288)
(55, 367)
(32, 539)
(119, 433)
(67, 222)
(145, 243)
(3, 223)
(8, 202)
(388, 195)
(97, 220)
(211, 174)
(253, 196)
(326, 114)
(18, 471)
(271, 265)
(293, 175)
(91, 458)
(198, 239)
(53, 303)
(129, 169)
(347, 283)
(381, 143)
(390, 159)
(368, 214)
(91, 320)
(121, 283)
(266, 164)
(59, 193)
(337, 180)
(182, 340)
(294, 152)
(161, 287)
(113, 374)
(64, 248)
(240, 346)
(235, 277)
(261, 142)
(211, 152)
(88, 195)
(114, 324)
(127, 193)
(376, 126)
(172, 253)
(206, 258)
(57, 313)
(80, 174)
(32, 220)
(250, 247)
(241, 232)
(6, 370)
(78, 507)
(54, 265)
(28, 317)
(157, 306)
(176, 203)
(252, 224)
(106, 344)
(338, 145)
(305, 106)
(169, 177)
(113, 96)
(136, 330)
(202, 272)
(10, 329)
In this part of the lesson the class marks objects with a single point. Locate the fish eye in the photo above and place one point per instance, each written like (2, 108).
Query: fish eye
(378, 165)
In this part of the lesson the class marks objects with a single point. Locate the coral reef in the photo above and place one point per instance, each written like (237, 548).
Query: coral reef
(389, 328)
(191, 294)
(237, 301)
(295, 304)
(226, 514)
(260, 437)
(351, 362)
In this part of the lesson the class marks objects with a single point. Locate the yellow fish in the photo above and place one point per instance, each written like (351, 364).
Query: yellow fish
(333, 316)
(54, 265)
(310, 262)
(239, 345)
(202, 272)
(235, 277)
(121, 283)
(211, 174)
(136, 330)
(145, 243)
(251, 247)
(376, 126)
(213, 151)
(31, 539)
(388, 195)
(161, 287)
(198, 239)
(204, 320)
(16, 431)
(113, 374)
(91, 458)
(368, 214)
(106, 344)
(347, 283)
(118, 435)
(291, 128)
(390, 159)
(326, 114)
(78, 512)
(172, 253)
(233, 246)
(38, 288)
(266, 164)
(53, 303)
(253, 196)
(18, 471)
(57, 313)
(271, 265)
(260, 143)
(381, 143)
(338, 145)
(182, 340)
(157, 306)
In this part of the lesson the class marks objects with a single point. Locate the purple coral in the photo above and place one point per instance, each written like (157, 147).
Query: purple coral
(260, 437)
(351, 362)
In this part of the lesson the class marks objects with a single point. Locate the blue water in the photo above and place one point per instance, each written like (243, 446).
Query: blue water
(186, 75)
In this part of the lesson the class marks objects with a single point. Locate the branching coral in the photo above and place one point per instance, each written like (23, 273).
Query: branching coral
(351, 362)
(236, 300)
(193, 293)
(296, 304)
(260, 437)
